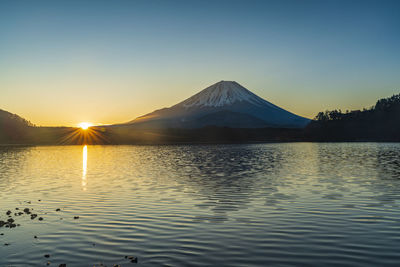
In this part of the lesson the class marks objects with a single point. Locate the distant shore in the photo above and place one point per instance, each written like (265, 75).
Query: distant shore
(206, 135)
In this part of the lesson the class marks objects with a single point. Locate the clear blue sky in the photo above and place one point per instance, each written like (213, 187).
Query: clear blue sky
(63, 62)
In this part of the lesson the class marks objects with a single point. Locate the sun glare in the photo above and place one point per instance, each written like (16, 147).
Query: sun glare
(85, 125)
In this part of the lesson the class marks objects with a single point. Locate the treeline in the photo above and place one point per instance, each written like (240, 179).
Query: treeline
(383, 107)
(130, 135)
(378, 123)
(208, 134)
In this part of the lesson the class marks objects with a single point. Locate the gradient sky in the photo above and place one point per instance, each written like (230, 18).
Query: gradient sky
(64, 62)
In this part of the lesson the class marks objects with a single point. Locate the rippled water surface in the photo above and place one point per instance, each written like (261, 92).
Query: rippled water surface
(233, 205)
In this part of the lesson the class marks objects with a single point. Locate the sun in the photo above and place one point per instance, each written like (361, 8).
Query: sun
(85, 125)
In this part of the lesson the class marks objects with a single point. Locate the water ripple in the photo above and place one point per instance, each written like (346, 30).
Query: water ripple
(203, 205)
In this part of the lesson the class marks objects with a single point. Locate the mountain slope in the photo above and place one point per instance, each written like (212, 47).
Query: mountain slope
(241, 109)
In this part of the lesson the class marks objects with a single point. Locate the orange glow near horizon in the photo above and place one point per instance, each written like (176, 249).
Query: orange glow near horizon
(84, 135)
(85, 125)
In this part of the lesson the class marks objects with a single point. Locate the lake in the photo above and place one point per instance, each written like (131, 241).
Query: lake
(286, 204)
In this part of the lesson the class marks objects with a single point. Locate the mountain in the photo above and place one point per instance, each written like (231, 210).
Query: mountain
(224, 104)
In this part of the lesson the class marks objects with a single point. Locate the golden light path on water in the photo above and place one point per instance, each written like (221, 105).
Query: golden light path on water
(247, 204)
(84, 167)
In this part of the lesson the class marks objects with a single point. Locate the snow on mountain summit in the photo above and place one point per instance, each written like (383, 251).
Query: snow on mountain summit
(221, 94)
(225, 104)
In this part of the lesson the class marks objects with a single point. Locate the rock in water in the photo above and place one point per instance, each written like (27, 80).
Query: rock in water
(132, 258)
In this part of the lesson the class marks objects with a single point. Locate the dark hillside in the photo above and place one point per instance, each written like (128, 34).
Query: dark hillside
(13, 128)
(378, 123)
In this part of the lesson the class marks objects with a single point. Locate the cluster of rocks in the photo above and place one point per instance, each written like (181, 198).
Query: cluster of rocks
(132, 259)
(10, 223)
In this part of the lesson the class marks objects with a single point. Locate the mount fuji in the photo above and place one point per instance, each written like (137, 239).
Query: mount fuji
(224, 104)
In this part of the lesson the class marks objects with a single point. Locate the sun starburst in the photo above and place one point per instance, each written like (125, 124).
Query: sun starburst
(85, 125)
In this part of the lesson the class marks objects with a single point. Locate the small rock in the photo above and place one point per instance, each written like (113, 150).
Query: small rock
(17, 208)
(33, 216)
(116, 265)
(47, 256)
(62, 265)
(35, 236)
(6, 244)
(2, 234)
(39, 200)
(133, 259)
(48, 263)
(40, 219)
(76, 217)
(26, 210)
(58, 209)
(11, 220)
(8, 212)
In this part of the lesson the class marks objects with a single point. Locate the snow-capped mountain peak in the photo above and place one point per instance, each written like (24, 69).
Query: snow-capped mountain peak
(221, 94)
(226, 104)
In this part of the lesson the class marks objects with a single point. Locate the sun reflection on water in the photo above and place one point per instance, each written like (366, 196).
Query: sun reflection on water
(84, 167)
